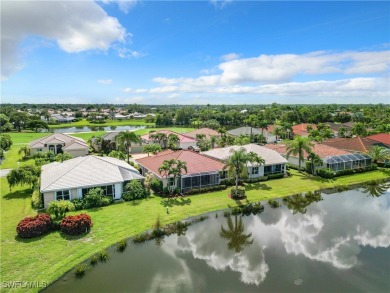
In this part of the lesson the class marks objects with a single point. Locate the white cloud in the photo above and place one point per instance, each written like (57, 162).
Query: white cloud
(124, 5)
(75, 26)
(126, 53)
(230, 57)
(105, 81)
(220, 3)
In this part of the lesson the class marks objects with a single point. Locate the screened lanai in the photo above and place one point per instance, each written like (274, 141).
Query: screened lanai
(345, 162)
(199, 180)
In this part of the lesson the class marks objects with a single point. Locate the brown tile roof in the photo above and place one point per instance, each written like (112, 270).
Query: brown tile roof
(301, 129)
(354, 144)
(182, 137)
(381, 137)
(320, 149)
(196, 163)
(206, 131)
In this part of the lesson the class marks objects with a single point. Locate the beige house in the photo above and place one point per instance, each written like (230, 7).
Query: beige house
(60, 143)
(73, 178)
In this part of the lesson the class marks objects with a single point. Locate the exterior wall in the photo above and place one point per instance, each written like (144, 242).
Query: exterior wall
(294, 161)
(186, 145)
(118, 190)
(137, 149)
(51, 196)
(78, 153)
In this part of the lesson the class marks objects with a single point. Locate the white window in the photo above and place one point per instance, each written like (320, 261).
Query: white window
(63, 195)
(171, 181)
(255, 170)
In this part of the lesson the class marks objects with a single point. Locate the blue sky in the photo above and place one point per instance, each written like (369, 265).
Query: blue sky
(182, 52)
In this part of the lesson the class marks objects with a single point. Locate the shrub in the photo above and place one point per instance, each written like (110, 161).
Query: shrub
(258, 179)
(36, 226)
(237, 194)
(140, 238)
(94, 259)
(60, 208)
(103, 255)
(78, 204)
(76, 225)
(121, 245)
(80, 270)
(156, 185)
(325, 173)
(205, 189)
(275, 176)
(134, 190)
(94, 198)
(36, 199)
(231, 182)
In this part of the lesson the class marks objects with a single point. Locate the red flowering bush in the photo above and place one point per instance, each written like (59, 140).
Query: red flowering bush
(76, 225)
(36, 226)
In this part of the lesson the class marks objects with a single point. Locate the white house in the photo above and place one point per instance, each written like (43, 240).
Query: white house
(59, 143)
(274, 162)
(73, 178)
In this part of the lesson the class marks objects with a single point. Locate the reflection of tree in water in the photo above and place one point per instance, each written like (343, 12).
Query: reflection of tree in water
(299, 202)
(235, 235)
(376, 189)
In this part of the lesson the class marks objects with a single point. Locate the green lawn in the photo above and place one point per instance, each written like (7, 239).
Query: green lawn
(48, 257)
(84, 122)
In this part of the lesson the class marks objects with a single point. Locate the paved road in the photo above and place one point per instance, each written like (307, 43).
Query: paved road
(4, 172)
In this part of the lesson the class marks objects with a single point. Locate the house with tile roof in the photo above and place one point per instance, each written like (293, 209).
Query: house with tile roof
(208, 132)
(73, 178)
(245, 130)
(357, 144)
(333, 158)
(201, 172)
(301, 129)
(184, 141)
(60, 143)
(381, 137)
(274, 162)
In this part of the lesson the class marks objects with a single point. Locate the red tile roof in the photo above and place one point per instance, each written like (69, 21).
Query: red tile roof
(354, 144)
(196, 163)
(182, 137)
(206, 131)
(319, 149)
(381, 137)
(301, 129)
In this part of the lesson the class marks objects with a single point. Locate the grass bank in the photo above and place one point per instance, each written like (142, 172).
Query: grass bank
(47, 258)
(84, 122)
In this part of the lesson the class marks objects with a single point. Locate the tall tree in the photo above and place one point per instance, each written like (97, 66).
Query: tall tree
(315, 161)
(379, 153)
(298, 146)
(172, 169)
(125, 139)
(152, 148)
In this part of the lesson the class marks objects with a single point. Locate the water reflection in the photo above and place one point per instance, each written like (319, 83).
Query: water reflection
(234, 234)
(376, 189)
(323, 243)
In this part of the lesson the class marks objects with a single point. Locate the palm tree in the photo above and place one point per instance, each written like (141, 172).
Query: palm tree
(172, 169)
(278, 132)
(117, 154)
(222, 131)
(315, 161)
(26, 150)
(263, 124)
(379, 153)
(236, 163)
(298, 146)
(148, 180)
(173, 141)
(152, 148)
(255, 159)
(359, 129)
(213, 140)
(235, 235)
(124, 139)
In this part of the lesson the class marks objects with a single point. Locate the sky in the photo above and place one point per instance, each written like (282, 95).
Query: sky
(195, 52)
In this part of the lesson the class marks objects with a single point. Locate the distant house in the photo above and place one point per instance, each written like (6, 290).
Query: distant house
(62, 119)
(301, 129)
(59, 143)
(355, 144)
(335, 128)
(120, 117)
(333, 158)
(274, 162)
(110, 137)
(246, 130)
(382, 138)
(201, 170)
(208, 132)
(73, 178)
(184, 141)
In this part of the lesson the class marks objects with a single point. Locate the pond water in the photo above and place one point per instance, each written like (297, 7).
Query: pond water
(338, 244)
(95, 128)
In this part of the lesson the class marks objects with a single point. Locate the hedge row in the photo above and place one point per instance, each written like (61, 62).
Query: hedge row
(326, 173)
(205, 189)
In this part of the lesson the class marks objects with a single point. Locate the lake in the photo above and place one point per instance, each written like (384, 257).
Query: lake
(338, 244)
(94, 128)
